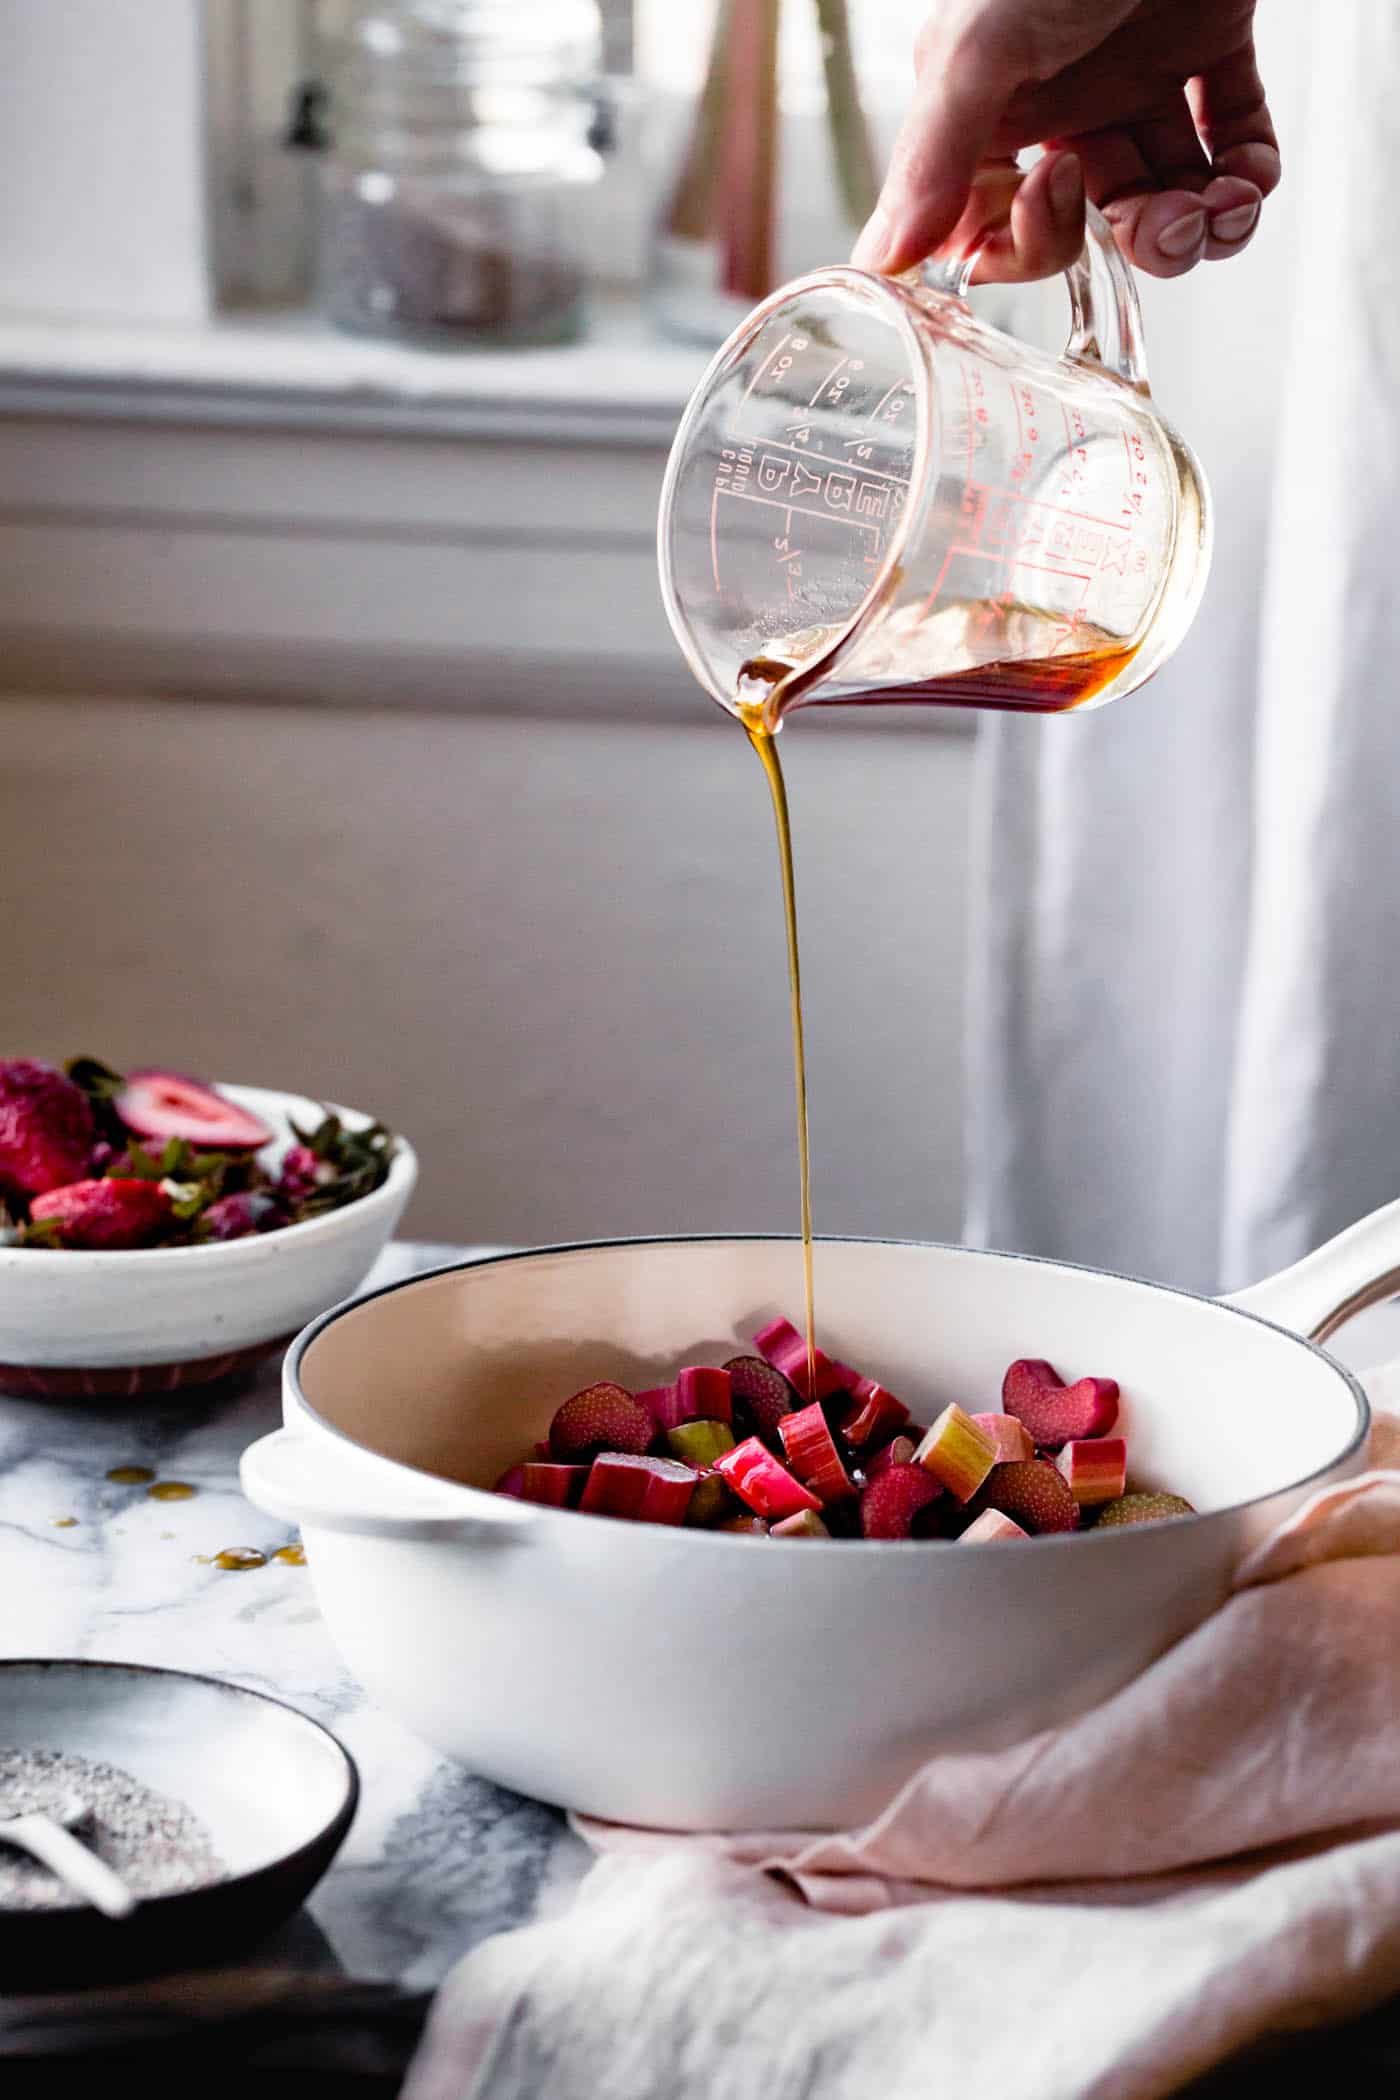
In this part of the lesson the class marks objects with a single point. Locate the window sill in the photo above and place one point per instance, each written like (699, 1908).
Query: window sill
(621, 384)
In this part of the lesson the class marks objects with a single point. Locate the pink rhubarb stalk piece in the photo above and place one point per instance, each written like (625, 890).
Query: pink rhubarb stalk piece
(705, 1394)
(759, 1480)
(875, 1412)
(603, 1417)
(957, 1453)
(1054, 1413)
(805, 1525)
(1096, 1468)
(511, 1482)
(899, 1451)
(991, 1526)
(558, 1486)
(1012, 1438)
(810, 1450)
(660, 1403)
(649, 1490)
(783, 1347)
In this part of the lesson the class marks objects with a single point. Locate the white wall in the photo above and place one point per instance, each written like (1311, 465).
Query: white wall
(551, 952)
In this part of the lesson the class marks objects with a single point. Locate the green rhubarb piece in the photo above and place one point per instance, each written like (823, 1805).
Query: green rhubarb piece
(700, 1443)
(712, 1503)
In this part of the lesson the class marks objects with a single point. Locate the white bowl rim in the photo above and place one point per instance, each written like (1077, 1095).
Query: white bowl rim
(402, 1174)
(1111, 1540)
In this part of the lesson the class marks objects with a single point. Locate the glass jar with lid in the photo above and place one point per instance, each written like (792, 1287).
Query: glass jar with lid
(460, 155)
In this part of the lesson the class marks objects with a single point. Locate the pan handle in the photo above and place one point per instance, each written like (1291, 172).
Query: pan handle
(1320, 1293)
(303, 1482)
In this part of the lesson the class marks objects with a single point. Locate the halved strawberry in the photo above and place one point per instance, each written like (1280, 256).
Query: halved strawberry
(158, 1104)
(1032, 1492)
(108, 1214)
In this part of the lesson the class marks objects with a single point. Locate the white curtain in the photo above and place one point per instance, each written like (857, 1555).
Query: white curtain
(1185, 1024)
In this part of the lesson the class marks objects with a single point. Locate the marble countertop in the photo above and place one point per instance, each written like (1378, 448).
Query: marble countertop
(436, 1859)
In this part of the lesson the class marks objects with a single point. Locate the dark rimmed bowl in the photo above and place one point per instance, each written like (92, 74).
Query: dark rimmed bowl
(276, 1791)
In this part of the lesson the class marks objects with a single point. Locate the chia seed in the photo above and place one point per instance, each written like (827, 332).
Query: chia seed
(154, 1843)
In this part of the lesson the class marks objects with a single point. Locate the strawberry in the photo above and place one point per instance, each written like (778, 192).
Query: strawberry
(1141, 1509)
(104, 1214)
(603, 1417)
(46, 1128)
(1030, 1490)
(894, 1499)
(1054, 1413)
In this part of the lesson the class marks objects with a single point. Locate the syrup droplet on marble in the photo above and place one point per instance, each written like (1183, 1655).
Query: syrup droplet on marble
(293, 1556)
(171, 1491)
(63, 1523)
(131, 1476)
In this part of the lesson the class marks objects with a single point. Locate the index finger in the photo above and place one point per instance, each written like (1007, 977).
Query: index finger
(961, 93)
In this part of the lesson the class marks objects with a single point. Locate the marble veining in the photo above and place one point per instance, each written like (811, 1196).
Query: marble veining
(437, 1858)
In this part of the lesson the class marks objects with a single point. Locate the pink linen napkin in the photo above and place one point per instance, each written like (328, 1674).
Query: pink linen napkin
(1100, 1913)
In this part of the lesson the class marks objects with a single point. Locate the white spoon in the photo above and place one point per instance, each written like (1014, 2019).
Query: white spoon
(45, 1835)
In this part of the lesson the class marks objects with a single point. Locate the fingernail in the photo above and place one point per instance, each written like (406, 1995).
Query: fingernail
(1234, 225)
(873, 242)
(1066, 184)
(1183, 234)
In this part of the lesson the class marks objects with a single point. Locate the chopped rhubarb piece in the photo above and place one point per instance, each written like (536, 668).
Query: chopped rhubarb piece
(1141, 1509)
(559, 1486)
(758, 1479)
(811, 1452)
(649, 1490)
(1011, 1437)
(660, 1403)
(991, 1525)
(786, 1350)
(957, 1453)
(749, 1527)
(875, 1413)
(1055, 1413)
(1096, 1468)
(706, 1394)
(711, 1504)
(512, 1482)
(541, 1451)
(805, 1525)
(899, 1451)
(700, 1443)
(894, 1500)
(1031, 1491)
(603, 1417)
(763, 1395)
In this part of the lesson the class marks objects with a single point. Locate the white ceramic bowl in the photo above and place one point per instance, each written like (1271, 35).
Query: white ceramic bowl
(698, 1680)
(78, 1325)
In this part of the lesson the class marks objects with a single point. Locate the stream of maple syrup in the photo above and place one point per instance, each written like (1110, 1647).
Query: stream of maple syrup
(764, 741)
(768, 684)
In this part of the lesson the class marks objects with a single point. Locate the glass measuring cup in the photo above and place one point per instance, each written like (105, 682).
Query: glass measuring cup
(875, 496)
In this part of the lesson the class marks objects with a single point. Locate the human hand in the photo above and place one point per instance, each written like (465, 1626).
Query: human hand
(1154, 107)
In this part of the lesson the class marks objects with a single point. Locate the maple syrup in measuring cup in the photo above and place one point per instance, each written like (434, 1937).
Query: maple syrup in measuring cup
(875, 497)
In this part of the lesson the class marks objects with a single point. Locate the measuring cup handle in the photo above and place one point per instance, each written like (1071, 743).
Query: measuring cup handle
(1105, 317)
